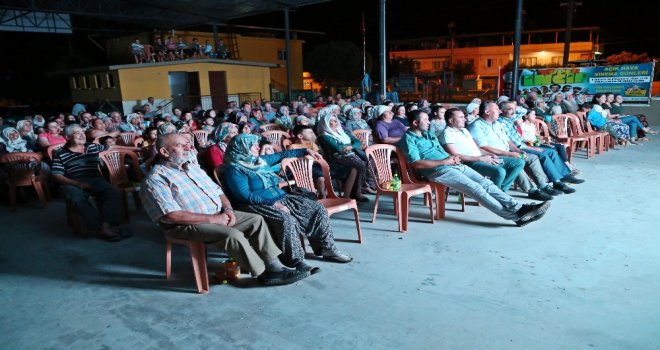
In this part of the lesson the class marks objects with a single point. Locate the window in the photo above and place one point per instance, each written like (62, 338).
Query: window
(557, 60)
(281, 55)
(97, 82)
(418, 65)
(438, 65)
(85, 82)
(585, 56)
(489, 62)
(74, 83)
(528, 61)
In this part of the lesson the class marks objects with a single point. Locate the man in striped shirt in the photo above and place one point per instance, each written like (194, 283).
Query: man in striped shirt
(75, 167)
(178, 195)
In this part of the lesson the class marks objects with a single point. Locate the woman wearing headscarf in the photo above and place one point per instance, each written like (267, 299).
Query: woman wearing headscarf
(252, 186)
(343, 150)
(388, 129)
(24, 127)
(354, 120)
(283, 119)
(13, 141)
(132, 124)
(214, 156)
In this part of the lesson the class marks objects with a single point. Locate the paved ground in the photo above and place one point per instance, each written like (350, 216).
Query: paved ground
(584, 277)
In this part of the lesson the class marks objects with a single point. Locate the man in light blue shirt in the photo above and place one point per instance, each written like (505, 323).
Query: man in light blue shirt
(425, 155)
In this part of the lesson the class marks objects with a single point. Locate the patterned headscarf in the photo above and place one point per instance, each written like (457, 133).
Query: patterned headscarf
(356, 124)
(324, 127)
(283, 117)
(239, 152)
(220, 132)
(166, 128)
(19, 126)
(38, 121)
(18, 145)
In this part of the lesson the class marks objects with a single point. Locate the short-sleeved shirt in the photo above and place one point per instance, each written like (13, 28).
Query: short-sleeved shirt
(393, 129)
(489, 134)
(168, 188)
(77, 166)
(461, 140)
(511, 132)
(424, 147)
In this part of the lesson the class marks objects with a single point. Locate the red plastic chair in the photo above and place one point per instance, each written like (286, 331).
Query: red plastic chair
(50, 152)
(24, 169)
(381, 155)
(202, 137)
(126, 138)
(603, 139)
(301, 168)
(279, 139)
(198, 257)
(580, 136)
(115, 163)
(269, 127)
(364, 136)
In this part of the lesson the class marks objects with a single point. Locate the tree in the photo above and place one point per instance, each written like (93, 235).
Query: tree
(335, 63)
(625, 57)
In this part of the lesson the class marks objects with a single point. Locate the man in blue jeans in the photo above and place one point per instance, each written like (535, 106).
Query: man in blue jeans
(554, 167)
(457, 141)
(427, 157)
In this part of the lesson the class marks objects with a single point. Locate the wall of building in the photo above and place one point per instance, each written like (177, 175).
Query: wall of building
(487, 59)
(92, 86)
(251, 48)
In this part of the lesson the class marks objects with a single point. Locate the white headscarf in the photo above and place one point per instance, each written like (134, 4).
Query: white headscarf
(18, 145)
(325, 115)
(38, 121)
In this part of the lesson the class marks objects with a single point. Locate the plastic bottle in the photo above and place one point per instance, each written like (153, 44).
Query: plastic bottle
(396, 183)
(231, 271)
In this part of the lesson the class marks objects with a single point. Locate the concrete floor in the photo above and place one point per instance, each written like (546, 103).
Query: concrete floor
(585, 276)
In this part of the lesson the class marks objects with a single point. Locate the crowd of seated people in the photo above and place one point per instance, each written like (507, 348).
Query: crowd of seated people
(480, 150)
(171, 49)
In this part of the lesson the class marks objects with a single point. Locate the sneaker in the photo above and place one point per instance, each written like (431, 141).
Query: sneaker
(539, 196)
(549, 190)
(528, 211)
(286, 276)
(572, 179)
(531, 218)
(563, 187)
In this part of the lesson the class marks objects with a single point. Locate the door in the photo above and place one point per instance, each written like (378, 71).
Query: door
(218, 87)
(184, 87)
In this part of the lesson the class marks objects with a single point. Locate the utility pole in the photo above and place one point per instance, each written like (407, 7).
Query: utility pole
(569, 26)
(383, 57)
(516, 48)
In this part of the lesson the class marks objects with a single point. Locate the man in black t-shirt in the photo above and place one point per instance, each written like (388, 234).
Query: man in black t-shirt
(75, 167)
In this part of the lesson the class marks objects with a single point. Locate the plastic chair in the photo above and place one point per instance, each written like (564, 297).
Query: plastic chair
(50, 151)
(381, 155)
(603, 139)
(301, 168)
(562, 134)
(126, 138)
(115, 163)
(364, 136)
(277, 138)
(580, 136)
(269, 127)
(202, 137)
(198, 257)
(24, 169)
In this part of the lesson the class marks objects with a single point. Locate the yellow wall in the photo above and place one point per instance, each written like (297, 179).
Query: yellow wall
(253, 49)
(154, 80)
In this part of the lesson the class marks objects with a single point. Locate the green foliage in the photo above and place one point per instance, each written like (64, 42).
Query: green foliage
(335, 63)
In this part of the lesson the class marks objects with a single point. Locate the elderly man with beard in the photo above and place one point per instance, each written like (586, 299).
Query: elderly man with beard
(187, 204)
(75, 167)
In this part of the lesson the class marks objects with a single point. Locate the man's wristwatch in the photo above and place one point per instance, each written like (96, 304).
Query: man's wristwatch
(225, 209)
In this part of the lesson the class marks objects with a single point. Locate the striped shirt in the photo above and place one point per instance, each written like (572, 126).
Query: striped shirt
(168, 188)
(76, 165)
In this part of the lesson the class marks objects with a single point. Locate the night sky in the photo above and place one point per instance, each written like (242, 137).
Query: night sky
(626, 26)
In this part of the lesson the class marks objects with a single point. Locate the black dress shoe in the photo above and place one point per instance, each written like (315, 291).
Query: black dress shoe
(551, 191)
(563, 187)
(572, 179)
(539, 196)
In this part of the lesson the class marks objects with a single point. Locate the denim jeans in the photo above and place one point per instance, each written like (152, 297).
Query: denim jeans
(634, 123)
(470, 182)
(552, 164)
(502, 174)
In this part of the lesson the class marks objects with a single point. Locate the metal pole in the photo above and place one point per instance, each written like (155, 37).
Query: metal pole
(383, 83)
(364, 47)
(287, 40)
(567, 34)
(215, 35)
(516, 48)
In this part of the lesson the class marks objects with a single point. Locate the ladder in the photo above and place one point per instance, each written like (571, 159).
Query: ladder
(234, 54)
